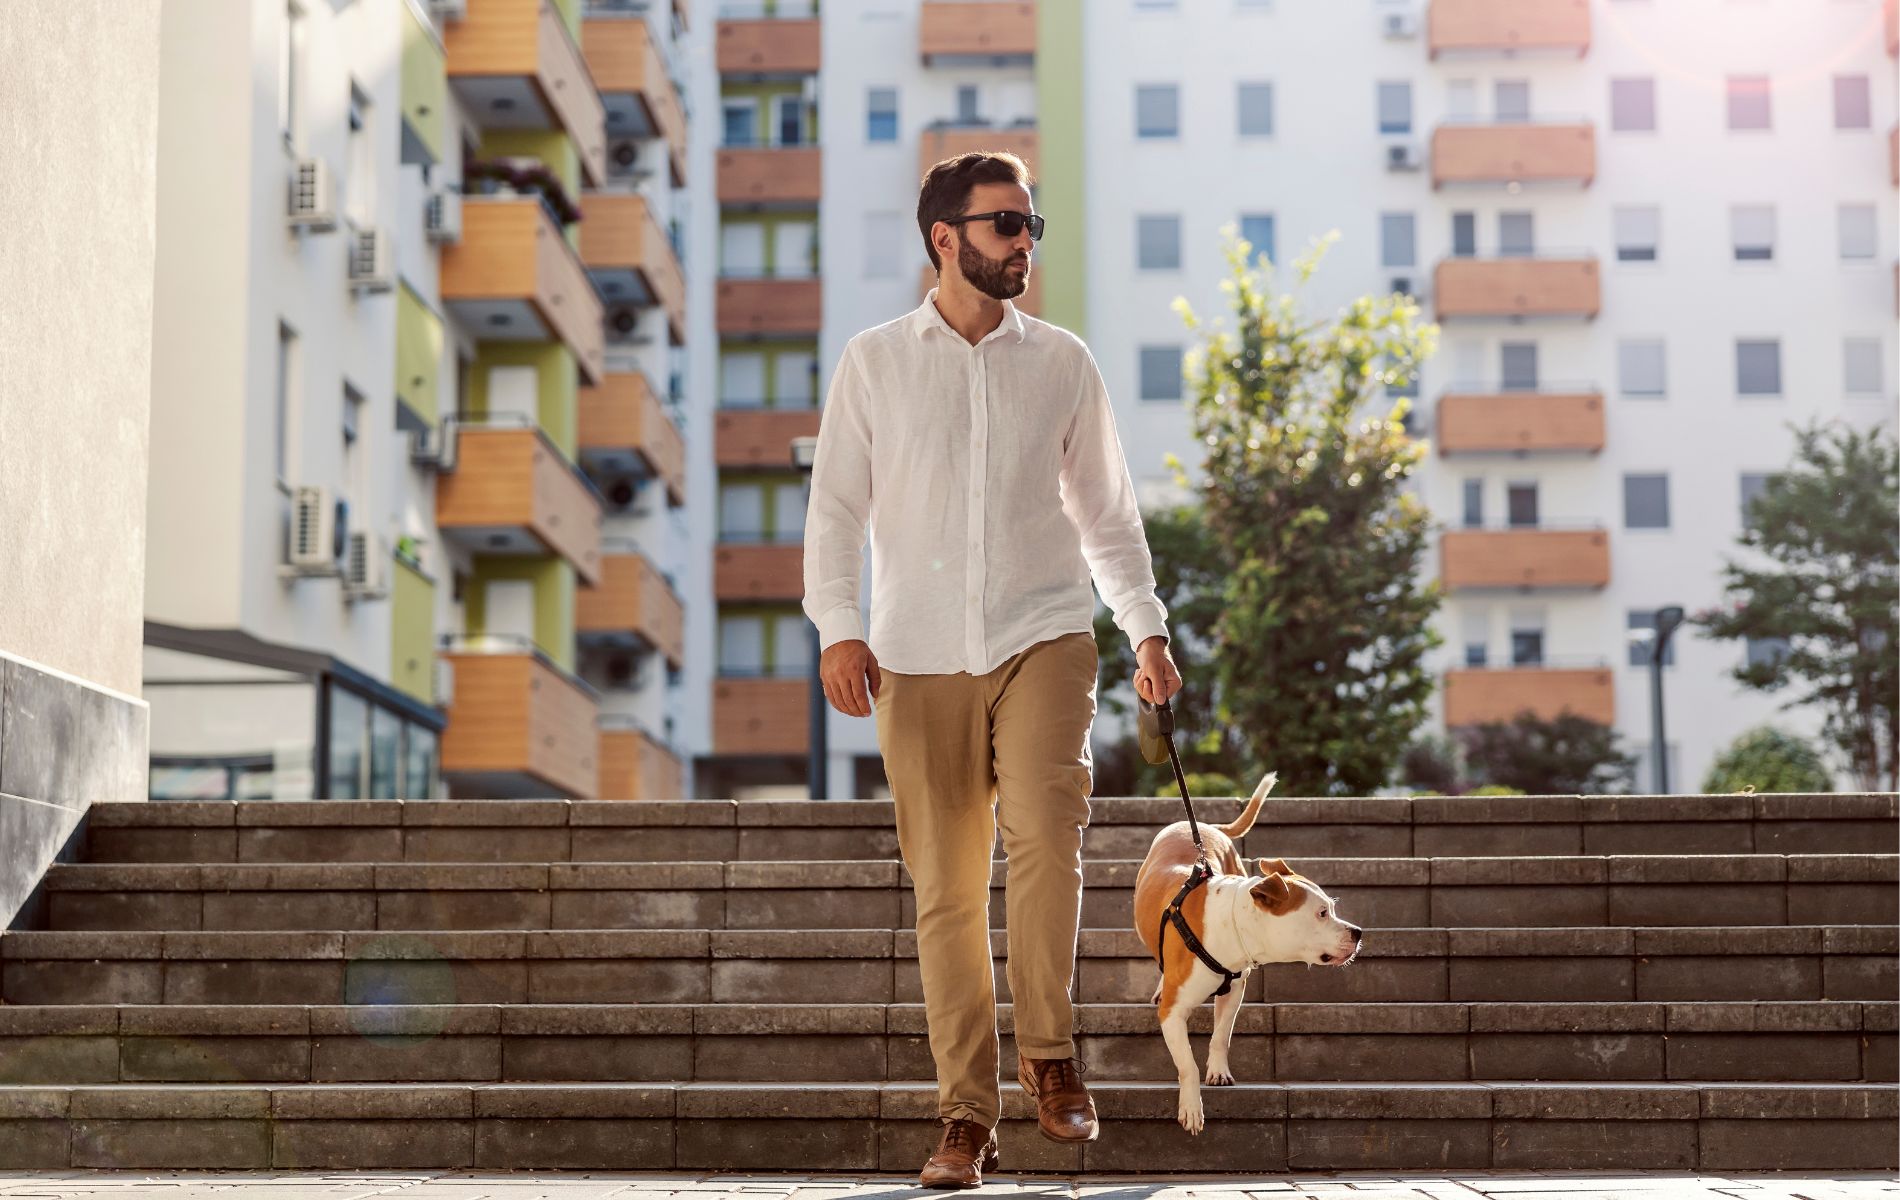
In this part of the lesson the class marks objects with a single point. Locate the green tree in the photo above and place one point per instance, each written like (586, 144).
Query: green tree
(1565, 755)
(1831, 537)
(1766, 759)
(1316, 622)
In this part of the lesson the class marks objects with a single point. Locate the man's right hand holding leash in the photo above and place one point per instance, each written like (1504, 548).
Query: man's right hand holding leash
(843, 669)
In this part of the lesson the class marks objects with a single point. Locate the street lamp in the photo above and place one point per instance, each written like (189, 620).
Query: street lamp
(1666, 621)
(804, 453)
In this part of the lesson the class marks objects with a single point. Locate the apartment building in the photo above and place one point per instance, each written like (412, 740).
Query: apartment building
(417, 461)
(1653, 234)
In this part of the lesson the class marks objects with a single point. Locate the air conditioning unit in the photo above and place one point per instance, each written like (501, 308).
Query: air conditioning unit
(623, 156)
(622, 321)
(621, 493)
(366, 567)
(442, 682)
(312, 196)
(445, 10)
(319, 530)
(372, 267)
(1401, 23)
(442, 216)
(622, 671)
(1403, 155)
(1404, 285)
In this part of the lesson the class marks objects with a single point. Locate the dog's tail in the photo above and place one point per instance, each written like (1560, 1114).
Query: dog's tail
(1242, 823)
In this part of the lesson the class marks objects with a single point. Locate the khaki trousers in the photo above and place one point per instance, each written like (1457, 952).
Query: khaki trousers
(964, 754)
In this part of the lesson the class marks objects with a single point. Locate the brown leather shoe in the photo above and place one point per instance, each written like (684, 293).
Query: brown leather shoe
(1064, 1111)
(967, 1150)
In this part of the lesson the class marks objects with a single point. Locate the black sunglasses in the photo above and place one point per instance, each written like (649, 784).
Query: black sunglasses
(1009, 222)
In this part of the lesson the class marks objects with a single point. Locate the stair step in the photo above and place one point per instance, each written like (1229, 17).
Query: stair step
(1119, 828)
(892, 1126)
(1523, 890)
(74, 1044)
(1610, 963)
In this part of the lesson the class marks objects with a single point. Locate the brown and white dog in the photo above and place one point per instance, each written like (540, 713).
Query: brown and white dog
(1242, 920)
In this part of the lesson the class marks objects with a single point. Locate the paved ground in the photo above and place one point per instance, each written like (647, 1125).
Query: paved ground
(591, 1185)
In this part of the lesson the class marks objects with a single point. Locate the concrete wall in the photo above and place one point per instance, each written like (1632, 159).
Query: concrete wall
(78, 109)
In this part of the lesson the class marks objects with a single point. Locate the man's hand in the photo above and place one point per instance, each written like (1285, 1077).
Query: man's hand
(843, 669)
(1155, 677)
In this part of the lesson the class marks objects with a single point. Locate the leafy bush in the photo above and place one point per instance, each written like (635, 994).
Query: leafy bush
(1768, 760)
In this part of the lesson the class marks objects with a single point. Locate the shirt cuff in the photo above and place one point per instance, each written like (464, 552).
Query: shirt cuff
(1144, 621)
(841, 624)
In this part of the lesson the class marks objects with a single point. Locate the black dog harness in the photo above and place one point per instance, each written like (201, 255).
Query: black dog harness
(1163, 714)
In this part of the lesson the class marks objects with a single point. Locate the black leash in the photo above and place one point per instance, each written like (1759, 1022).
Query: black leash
(1161, 719)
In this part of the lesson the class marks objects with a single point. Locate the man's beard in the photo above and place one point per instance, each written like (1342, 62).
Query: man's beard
(997, 280)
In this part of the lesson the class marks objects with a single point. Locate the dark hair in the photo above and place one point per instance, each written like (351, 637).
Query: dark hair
(947, 186)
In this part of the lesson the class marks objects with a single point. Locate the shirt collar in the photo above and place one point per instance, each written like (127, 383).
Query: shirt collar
(926, 317)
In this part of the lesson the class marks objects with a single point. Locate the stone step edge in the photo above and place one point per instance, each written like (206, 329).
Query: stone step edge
(1091, 1018)
(1594, 941)
(917, 1099)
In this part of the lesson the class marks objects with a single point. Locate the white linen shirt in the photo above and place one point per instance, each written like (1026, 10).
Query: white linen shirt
(971, 564)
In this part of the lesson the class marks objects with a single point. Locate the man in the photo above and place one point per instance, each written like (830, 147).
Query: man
(979, 445)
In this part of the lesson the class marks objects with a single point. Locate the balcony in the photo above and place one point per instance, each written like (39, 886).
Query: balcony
(769, 48)
(637, 92)
(769, 306)
(760, 437)
(761, 716)
(1517, 286)
(1490, 421)
(1030, 301)
(1477, 694)
(635, 765)
(945, 140)
(514, 65)
(758, 570)
(1514, 153)
(510, 491)
(623, 427)
(519, 726)
(1508, 27)
(513, 276)
(981, 30)
(632, 606)
(630, 257)
(770, 176)
(1525, 559)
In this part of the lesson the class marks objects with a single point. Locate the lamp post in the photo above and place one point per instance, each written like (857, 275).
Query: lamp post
(804, 453)
(1666, 621)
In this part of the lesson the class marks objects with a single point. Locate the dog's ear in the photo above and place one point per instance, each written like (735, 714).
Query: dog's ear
(1273, 866)
(1277, 895)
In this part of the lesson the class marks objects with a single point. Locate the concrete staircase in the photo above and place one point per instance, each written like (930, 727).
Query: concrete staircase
(1561, 981)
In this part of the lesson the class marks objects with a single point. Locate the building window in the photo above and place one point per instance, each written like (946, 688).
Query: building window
(1158, 242)
(880, 115)
(286, 401)
(1640, 648)
(1853, 107)
(1748, 102)
(1636, 232)
(967, 112)
(740, 123)
(1645, 501)
(1517, 234)
(1764, 651)
(290, 72)
(1254, 102)
(1860, 366)
(1758, 367)
(361, 185)
(1519, 362)
(1511, 101)
(1161, 372)
(1257, 228)
(1395, 106)
(1527, 640)
(1753, 485)
(1464, 234)
(1858, 238)
(1398, 240)
(1474, 504)
(1520, 504)
(1157, 110)
(1752, 227)
(1633, 105)
(1639, 367)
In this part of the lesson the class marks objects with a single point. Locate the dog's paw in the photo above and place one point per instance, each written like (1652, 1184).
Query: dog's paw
(1189, 1113)
(1218, 1076)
